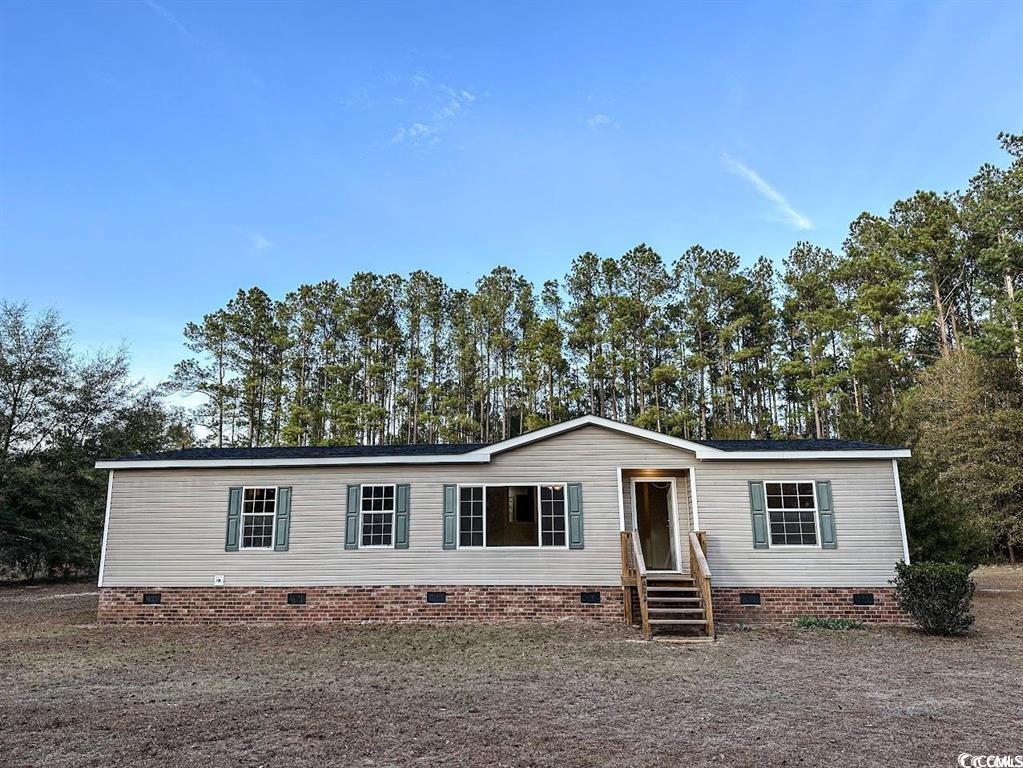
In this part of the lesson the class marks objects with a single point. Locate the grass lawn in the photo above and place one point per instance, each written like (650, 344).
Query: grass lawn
(568, 694)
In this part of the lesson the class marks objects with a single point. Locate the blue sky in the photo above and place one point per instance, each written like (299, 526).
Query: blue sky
(155, 156)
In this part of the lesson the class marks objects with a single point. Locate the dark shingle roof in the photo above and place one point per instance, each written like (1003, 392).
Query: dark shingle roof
(455, 449)
(794, 445)
(305, 452)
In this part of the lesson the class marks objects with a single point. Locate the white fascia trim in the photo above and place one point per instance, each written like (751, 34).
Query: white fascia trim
(337, 461)
(106, 529)
(702, 451)
(596, 421)
(898, 453)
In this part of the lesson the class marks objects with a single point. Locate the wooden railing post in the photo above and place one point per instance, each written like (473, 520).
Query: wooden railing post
(640, 565)
(628, 579)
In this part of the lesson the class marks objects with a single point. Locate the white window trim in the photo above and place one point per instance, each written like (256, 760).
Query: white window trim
(241, 519)
(676, 538)
(539, 517)
(394, 514)
(816, 516)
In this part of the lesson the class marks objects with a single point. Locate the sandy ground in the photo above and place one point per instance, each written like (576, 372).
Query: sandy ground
(568, 694)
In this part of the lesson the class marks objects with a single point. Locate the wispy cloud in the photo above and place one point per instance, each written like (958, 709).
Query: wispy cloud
(416, 133)
(223, 61)
(257, 242)
(447, 105)
(769, 193)
(169, 17)
(600, 121)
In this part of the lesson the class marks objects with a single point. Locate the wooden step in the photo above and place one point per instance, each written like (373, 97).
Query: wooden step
(672, 589)
(674, 599)
(668, 577)
(677, 621)
(674, 610)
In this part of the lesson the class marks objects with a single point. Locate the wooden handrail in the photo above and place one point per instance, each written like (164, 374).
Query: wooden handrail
(701, 575)
(696, 550)
(637, 554)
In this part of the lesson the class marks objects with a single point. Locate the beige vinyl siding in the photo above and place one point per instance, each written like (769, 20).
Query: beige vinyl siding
(167, 526)
(866, 524)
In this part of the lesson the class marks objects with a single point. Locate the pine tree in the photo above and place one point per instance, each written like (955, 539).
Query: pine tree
(812, 317)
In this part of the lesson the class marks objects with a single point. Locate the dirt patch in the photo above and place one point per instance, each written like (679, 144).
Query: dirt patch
(566, 694)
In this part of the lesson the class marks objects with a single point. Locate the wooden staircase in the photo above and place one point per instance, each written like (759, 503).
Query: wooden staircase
(674, 603)
(671, 604)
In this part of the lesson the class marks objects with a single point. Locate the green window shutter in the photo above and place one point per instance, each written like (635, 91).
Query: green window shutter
(450, 517)
(758, 511)
(826, 512)
(352, 517)
(282, 521)
(234, 519)
(575, 516)
(401, 505)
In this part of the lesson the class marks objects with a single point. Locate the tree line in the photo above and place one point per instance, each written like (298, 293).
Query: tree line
(700, 346)
(60, 411)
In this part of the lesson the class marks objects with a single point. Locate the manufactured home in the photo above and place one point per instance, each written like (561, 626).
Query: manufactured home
(589, 518)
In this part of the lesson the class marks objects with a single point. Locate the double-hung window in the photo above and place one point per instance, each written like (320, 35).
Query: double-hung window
(512, 515)
(377, 509)
(259, 505)
(552, 515)
(470, 516)
(792, 514)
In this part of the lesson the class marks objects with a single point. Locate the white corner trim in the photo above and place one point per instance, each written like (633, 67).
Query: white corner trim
(692, 494)
(621, 503)
(106, 529)
(902, 514)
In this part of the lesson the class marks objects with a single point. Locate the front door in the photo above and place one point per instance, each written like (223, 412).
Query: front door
(655, 517)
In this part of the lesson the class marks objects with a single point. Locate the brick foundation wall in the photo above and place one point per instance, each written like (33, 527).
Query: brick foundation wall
(401, 604)
(783, 604)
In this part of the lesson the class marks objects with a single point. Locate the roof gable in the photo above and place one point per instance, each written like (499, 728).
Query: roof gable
(710, 450)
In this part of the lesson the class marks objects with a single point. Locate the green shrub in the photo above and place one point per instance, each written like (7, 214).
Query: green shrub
(816, 622)
(936, 595)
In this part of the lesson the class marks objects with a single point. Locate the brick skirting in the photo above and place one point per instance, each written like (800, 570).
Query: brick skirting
(399, 604)
(783, 604)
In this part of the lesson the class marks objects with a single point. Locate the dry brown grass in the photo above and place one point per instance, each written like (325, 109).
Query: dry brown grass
(75, 694)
